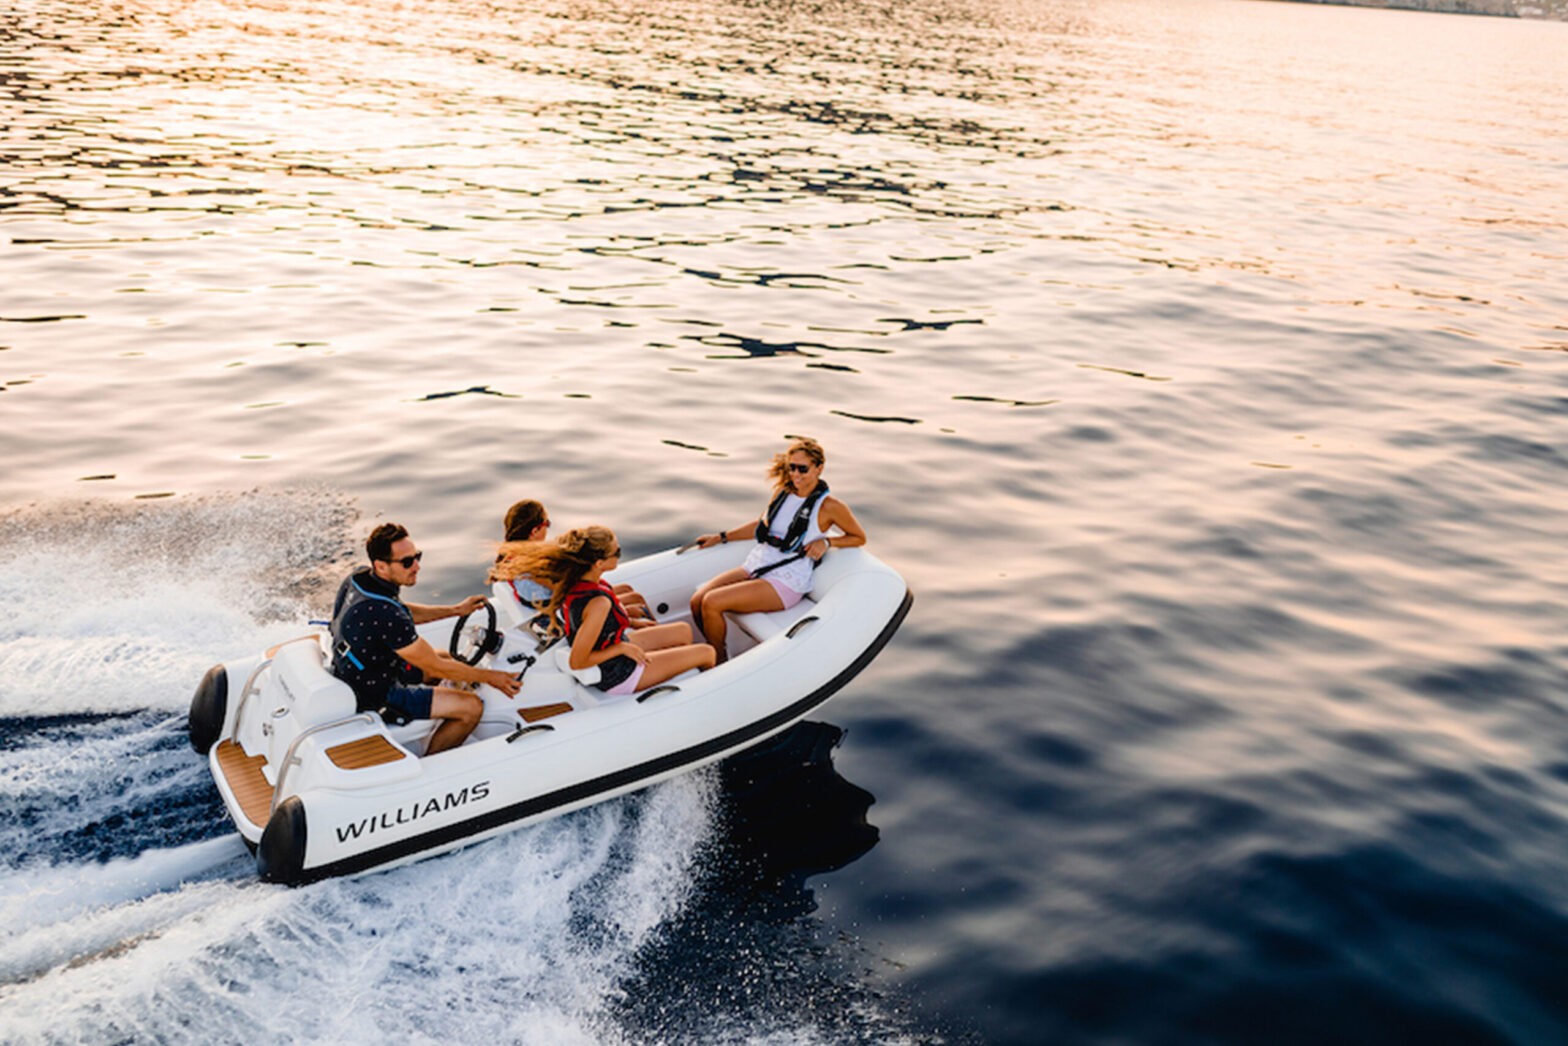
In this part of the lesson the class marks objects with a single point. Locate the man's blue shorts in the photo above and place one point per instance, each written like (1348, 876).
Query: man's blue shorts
(412, 701)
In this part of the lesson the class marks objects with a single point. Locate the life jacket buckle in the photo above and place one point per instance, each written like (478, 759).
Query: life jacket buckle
(343, 650)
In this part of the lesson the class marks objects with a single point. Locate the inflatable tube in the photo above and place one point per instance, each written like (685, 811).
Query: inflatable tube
(281, 856)
(321, 789)
(209, 705)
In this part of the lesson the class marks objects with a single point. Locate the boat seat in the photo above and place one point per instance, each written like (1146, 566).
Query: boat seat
(510, 612)
(414, 734)
(562, 653)
(587, 677)
(764, 626)
(316, 696)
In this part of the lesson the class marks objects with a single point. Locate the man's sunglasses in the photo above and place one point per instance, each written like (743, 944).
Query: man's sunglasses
(407, 561)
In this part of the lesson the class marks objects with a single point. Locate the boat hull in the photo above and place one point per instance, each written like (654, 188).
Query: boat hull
(355, 797)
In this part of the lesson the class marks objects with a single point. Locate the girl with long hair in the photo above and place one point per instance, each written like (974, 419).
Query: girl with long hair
(528, 521)
(597, 624)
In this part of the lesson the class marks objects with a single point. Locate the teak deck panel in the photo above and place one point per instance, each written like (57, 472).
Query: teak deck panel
(367, 751)
(250, 787)
(538, 712)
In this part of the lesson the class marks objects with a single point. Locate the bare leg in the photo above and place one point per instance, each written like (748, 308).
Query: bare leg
(459, 711)
(636, 606)
(661, 637)
(729, 577)
(743, 597)
(672, 661)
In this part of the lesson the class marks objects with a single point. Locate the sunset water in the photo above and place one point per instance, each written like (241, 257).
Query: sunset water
(1201, 364)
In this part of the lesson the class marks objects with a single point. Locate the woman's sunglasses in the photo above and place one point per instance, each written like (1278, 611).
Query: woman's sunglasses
(802, 469)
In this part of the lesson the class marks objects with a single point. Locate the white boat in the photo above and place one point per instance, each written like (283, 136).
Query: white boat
(318, 789)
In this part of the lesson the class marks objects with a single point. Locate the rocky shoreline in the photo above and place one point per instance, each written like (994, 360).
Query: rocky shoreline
(1555, 10)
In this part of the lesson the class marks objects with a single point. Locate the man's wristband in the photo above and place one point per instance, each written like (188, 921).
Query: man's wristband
(724, 537)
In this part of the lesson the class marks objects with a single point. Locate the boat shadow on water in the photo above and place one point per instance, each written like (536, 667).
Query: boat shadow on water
(788, 814)
(745, 952)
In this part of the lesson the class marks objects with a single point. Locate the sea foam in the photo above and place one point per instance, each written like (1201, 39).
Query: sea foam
(119, 608)
(116, 613)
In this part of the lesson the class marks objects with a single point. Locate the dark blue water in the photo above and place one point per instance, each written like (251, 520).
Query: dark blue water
(1202, 365)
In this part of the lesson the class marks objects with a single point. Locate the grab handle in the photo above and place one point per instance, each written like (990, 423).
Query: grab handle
(520, 731)
(656, 691)
(802, 623)
(291, 758)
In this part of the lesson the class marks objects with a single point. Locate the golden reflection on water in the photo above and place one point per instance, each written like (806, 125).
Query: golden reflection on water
(1201, 366)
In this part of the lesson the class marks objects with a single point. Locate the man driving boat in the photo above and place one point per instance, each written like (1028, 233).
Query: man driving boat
(391, 668)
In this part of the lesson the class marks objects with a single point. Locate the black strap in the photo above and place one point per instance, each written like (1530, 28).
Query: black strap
(798, 525)
(765, 524)
(774, 566)
(815, 563)
(394, 716)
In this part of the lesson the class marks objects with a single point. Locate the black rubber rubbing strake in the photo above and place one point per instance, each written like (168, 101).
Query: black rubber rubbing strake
(539, 804)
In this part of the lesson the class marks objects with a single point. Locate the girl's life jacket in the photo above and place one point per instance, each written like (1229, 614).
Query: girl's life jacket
(573, 606)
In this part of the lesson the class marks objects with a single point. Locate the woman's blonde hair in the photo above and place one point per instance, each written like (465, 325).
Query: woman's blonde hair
(558, 565)
(779, 470)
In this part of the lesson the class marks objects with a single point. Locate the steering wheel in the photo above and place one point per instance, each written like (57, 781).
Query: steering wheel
(468, 645)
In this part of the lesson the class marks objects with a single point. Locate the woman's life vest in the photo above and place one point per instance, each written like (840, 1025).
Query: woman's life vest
(791, 541)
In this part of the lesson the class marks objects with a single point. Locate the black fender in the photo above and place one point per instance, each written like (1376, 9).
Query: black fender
(281, 856)
(209, 705)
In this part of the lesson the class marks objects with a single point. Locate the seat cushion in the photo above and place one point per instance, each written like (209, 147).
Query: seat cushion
(764, 626)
